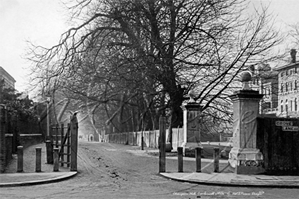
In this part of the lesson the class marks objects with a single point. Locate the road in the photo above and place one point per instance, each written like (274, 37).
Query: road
(119, 171)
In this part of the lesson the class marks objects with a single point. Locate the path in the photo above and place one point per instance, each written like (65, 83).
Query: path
(120, 171)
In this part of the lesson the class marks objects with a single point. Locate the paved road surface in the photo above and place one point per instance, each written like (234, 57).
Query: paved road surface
(119, 171)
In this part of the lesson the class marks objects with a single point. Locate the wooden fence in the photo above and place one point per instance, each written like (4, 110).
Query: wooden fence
(150, 138)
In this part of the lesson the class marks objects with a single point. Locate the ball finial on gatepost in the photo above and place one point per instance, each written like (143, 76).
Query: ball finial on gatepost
(192, 96)
(245, 79)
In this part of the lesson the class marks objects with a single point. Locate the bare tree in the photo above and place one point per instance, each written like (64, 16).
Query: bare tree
(294, 35)
(144, 56)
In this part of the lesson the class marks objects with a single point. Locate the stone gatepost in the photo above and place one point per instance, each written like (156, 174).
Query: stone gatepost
(244, 156)
(191, 130)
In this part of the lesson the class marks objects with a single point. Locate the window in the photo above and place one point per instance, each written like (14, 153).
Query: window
(296, 84)
(282, 87)
(291, 85)
(286, 86)
(255, 81)
(268, 92)
(281, 106)
(286, 72)
(282, 74)
(286, 105)
(296, 70)
(291, 105)
(296, 104)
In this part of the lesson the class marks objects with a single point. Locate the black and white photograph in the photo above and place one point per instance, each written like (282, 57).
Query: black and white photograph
(153, 99)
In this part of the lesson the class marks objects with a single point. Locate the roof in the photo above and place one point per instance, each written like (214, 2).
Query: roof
(5, 73)
(289, 65)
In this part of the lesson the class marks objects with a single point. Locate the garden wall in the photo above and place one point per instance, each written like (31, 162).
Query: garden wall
(278, 140)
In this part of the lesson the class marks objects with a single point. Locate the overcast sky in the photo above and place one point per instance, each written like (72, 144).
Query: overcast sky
(43, 21)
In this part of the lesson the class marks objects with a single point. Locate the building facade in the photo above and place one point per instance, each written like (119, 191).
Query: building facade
(265, 80)
(288, 93)
(280, 87)
(8, 80)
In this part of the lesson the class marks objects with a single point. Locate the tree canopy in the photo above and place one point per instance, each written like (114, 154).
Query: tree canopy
(18, 105)
(134, 60)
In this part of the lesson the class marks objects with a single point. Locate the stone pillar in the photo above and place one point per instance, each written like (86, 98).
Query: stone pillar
(191, 130)
(244, 156)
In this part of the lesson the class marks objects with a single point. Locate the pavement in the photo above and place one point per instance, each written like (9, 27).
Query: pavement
(25, 179)
(228, 178)
(232, 179)
(29, 177)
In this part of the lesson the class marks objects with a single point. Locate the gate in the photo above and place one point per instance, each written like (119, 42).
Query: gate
(278, 140)
(65, 138)
(61, 139)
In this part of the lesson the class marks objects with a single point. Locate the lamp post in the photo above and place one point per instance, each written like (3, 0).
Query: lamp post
(49, 146)
(48, 120)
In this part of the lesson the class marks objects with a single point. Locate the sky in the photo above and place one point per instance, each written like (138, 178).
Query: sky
(43, 21)
(38, 21)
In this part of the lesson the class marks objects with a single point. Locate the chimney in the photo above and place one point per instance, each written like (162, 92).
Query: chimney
(293, 55)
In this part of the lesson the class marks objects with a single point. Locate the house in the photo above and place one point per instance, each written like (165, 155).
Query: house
(265, 80)
(280, 87)
(9, 81)
(288, 91)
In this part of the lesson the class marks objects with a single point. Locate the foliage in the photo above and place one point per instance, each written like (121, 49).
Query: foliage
(18, 106)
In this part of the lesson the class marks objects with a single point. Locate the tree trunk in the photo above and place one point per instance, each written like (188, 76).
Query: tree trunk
(176, 116)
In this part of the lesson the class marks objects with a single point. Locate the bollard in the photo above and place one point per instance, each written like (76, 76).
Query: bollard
(55, 157)
(162, 144)
(20, 159)
(142, 144)
(198, 159)
(180, 159)
(49, 149)
(216, 159)
(38, 159)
